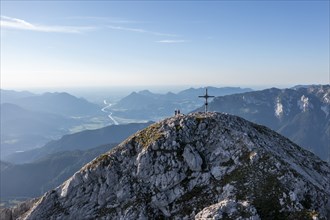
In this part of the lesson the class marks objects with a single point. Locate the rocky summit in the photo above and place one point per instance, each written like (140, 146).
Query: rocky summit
(196, 166)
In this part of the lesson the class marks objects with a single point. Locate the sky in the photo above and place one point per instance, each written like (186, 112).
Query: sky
(48, 44)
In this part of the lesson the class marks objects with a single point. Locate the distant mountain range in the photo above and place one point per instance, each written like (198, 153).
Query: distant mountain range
(301, 113)
(10, 95)
(57, 103)
(145, 105)
(29, 121)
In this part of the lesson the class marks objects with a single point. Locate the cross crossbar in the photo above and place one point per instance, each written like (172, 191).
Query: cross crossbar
(206, 96)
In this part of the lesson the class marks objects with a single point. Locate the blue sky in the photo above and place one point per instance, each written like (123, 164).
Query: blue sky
(143, 43)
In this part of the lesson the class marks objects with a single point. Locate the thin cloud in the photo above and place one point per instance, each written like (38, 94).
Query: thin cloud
(171, 41)
(19, 24)
(113, 20)
(141, 31)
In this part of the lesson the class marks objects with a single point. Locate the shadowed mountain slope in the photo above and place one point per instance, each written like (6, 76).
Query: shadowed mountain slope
(80, 141)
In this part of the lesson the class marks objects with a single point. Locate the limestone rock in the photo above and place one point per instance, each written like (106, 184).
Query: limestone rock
(202, 166)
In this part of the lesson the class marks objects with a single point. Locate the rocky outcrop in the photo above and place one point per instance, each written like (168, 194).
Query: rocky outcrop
(203, 165)
(18, 211)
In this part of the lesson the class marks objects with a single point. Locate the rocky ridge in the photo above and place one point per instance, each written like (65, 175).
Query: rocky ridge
(300, 114)
(201, 165)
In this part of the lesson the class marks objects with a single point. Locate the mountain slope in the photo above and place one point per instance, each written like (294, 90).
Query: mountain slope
(300, 114)
(197, 166)
(79, 141)
(46, 173)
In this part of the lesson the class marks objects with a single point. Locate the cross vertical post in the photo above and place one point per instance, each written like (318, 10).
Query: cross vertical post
(206, 96)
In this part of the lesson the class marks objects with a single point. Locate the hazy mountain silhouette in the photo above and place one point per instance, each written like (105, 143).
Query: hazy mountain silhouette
(10, 95)
(23, 129)
(58, 103)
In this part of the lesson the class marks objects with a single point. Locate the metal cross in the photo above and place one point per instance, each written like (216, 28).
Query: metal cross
(206, 96)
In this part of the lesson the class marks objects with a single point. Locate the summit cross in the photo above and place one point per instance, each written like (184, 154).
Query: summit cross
(206, 96)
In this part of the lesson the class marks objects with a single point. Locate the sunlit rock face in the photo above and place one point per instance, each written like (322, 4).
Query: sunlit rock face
(196, 166)
(300, 113)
